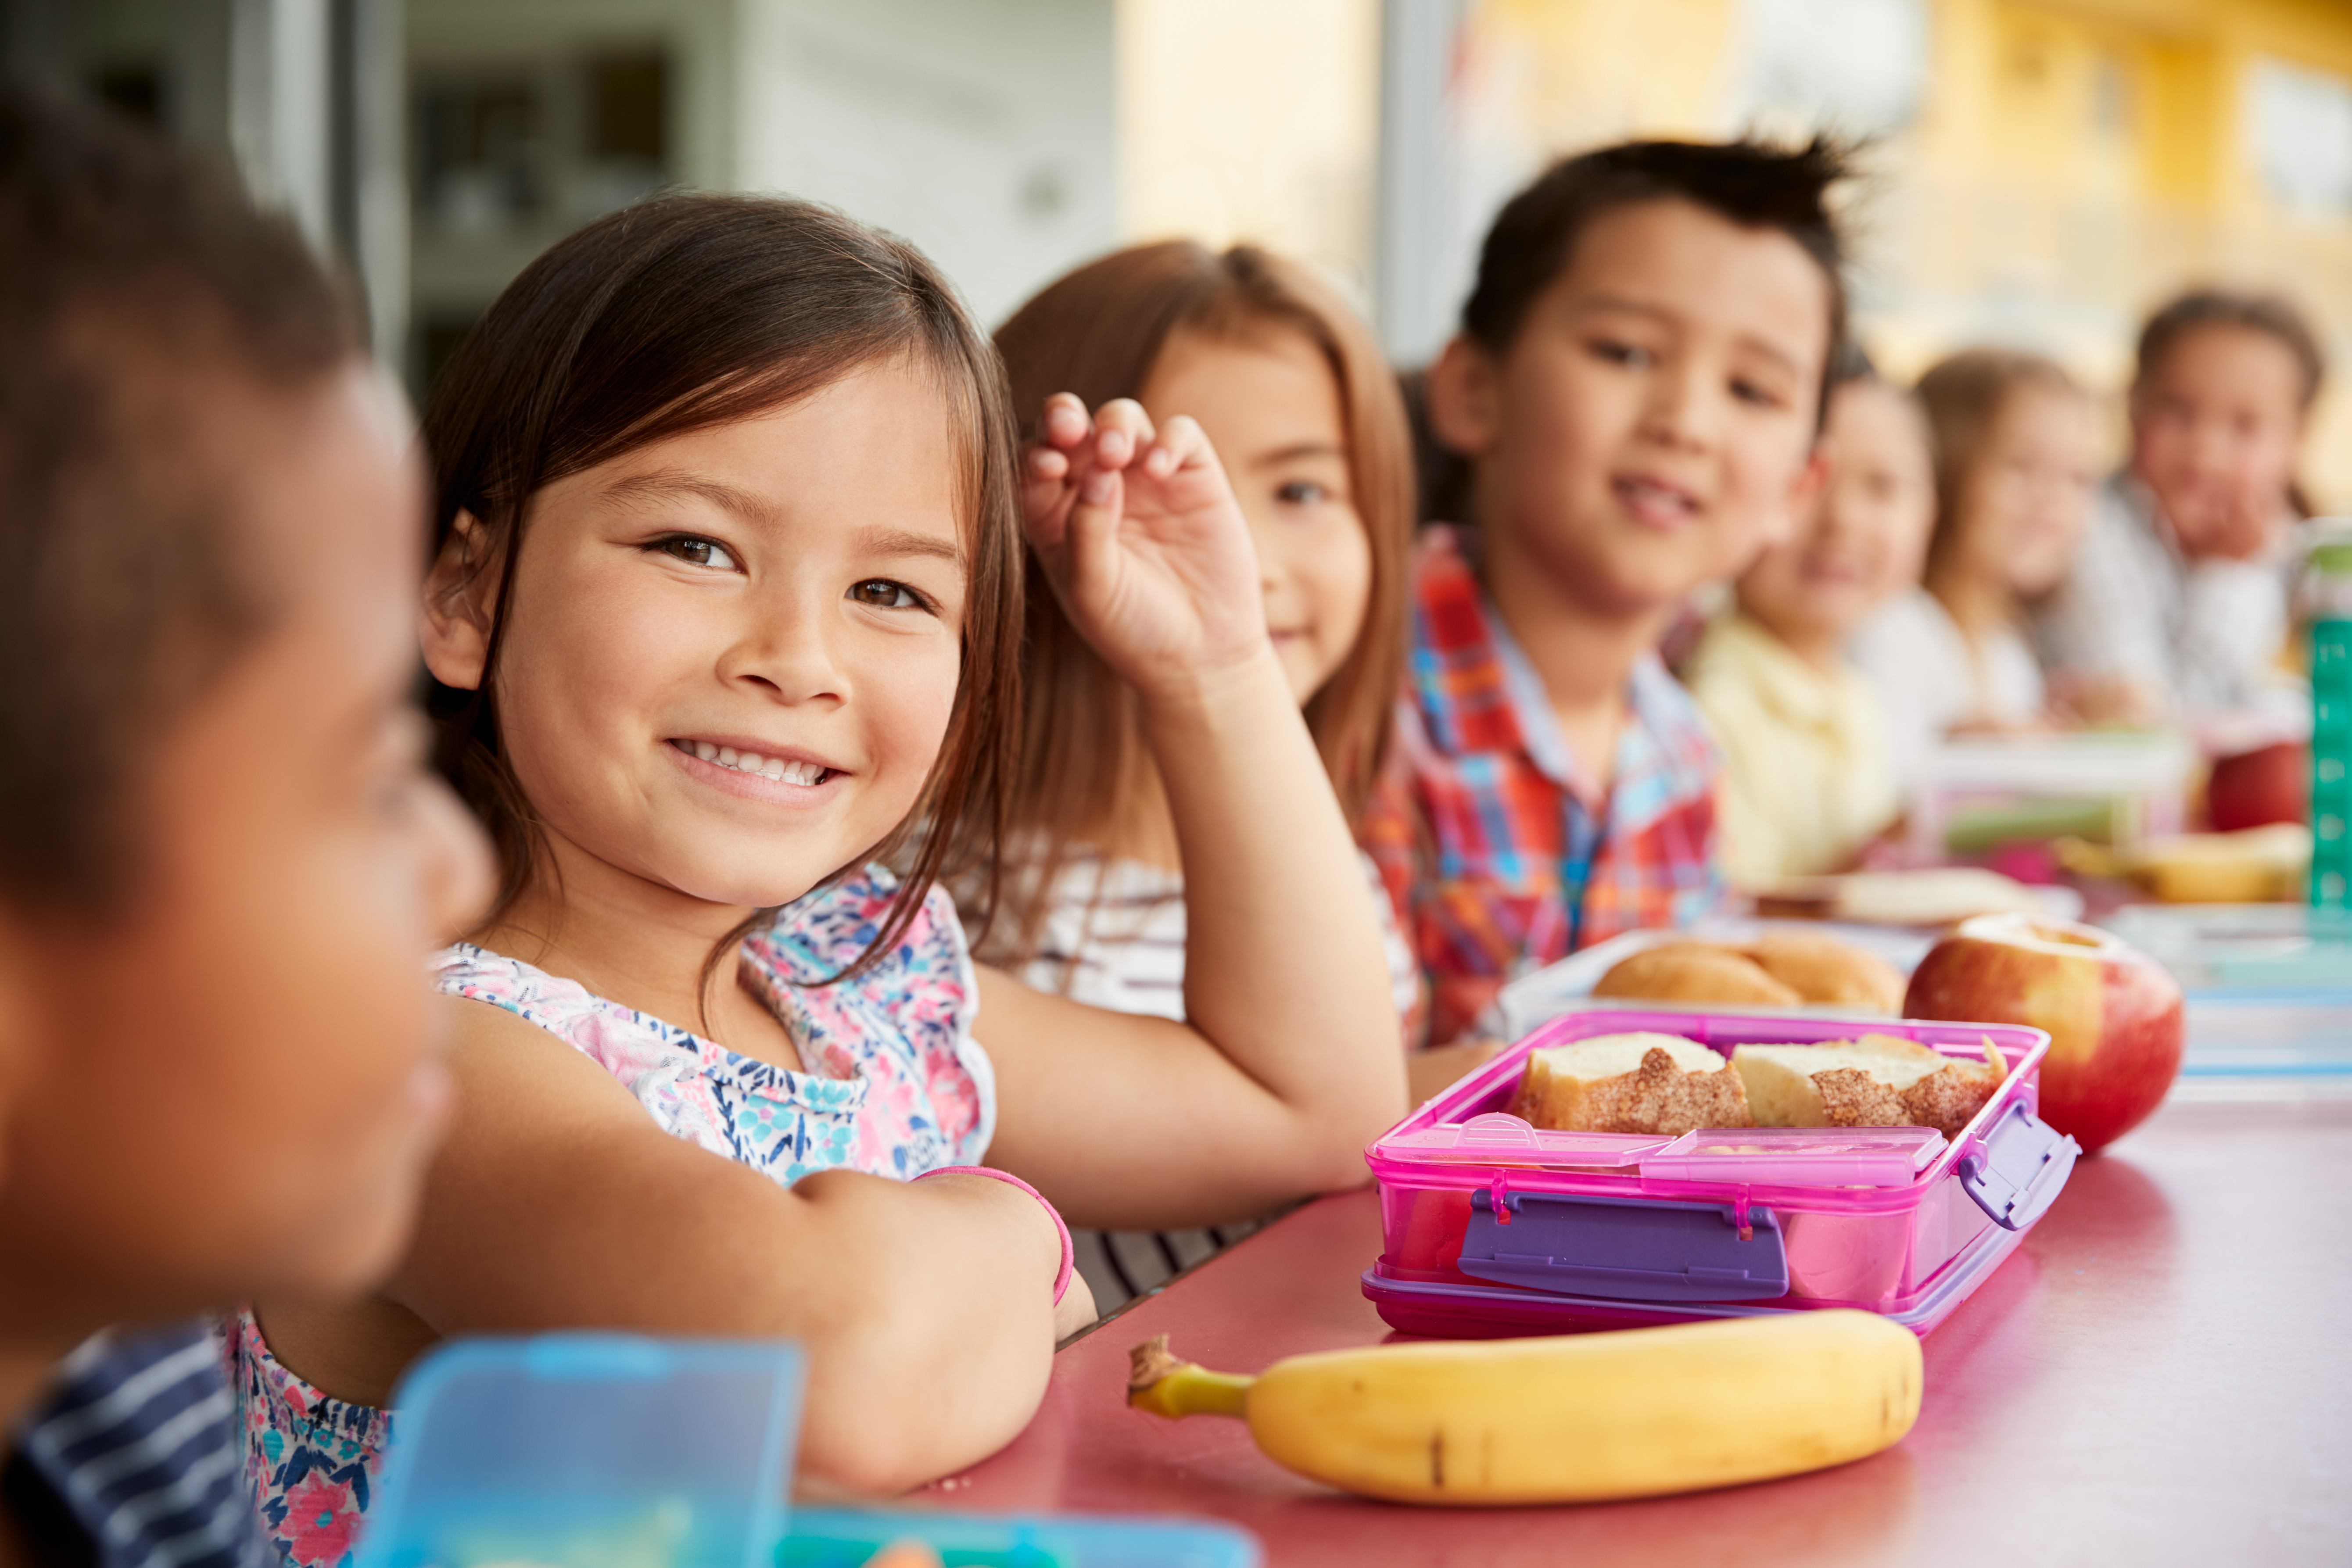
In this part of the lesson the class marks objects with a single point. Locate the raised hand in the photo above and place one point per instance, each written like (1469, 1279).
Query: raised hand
(1144, 544)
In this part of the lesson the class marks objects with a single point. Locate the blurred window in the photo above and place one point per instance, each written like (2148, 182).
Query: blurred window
(1855, 66)
(481, 154)
(2302, 136)
(537, 147)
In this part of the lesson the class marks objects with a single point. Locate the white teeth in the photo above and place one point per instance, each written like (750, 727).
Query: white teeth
(775, 767)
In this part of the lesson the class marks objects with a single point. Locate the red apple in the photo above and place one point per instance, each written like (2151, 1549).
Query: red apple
(2255, 789)
(2114, 1015)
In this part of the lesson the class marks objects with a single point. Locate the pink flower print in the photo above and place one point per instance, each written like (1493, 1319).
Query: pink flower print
(321, 1522)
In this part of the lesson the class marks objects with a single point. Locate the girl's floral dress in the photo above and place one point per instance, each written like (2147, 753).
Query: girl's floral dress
(899, 1087)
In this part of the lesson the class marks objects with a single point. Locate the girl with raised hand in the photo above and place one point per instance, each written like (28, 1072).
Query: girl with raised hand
(723, 617)
(1292, 391)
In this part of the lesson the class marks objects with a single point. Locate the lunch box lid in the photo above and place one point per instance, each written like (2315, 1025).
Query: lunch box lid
(1456, 1134)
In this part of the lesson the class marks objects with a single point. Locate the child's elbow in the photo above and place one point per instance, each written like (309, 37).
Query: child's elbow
(868, 1462)
(1330, 1151)
(909, 1394)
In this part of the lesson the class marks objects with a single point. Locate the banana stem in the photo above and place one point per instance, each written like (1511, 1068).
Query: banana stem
(1158, 1383)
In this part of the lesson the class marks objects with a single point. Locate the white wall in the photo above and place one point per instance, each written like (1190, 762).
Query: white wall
(982, 132)
(1251, 120)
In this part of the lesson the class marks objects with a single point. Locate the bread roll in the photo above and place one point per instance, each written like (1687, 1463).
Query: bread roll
(1630, 1083)
(1825, 970)
(1695, 972)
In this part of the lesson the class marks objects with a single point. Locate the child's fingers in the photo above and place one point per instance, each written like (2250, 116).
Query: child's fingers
(1045, 494)
(1121, 430)
(1064, 422)
(1182, 445)
(1091, 534)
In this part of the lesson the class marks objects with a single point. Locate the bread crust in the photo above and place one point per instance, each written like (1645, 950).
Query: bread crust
(1852, 1098)
(1947, 1100)
(1658, 1097)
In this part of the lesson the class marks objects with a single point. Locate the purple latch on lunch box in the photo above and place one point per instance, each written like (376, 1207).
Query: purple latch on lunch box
(1490, 1226)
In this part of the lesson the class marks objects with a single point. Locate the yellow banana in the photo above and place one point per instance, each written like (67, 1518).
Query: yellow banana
(1577, 1419)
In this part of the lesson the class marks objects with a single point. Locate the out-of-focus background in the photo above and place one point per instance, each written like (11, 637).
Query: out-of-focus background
(2044, 170)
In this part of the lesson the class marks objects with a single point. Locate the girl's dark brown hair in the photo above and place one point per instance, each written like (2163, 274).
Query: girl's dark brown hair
(690, 311)
(1963, 396)
(1098, 332)
(1534, 238)
(2272, 315)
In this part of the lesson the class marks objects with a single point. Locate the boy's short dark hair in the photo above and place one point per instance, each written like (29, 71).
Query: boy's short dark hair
(138, 283)
(1751, 183)
(2270, 314)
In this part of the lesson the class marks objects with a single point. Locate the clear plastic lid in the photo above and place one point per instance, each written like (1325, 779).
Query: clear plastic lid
(1798, 1157)
(585, 1450)
(1499, 1138)
(581, 1450)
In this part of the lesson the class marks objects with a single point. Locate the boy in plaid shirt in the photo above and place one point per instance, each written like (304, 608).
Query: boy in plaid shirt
(1636, 399)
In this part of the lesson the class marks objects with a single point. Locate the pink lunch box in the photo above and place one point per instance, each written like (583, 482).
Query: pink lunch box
(1490, 1227)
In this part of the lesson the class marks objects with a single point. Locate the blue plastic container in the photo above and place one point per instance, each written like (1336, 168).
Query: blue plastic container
(589, 1451)
(585, 1450)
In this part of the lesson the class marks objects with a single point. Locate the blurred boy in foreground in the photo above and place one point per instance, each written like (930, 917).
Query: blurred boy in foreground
(210, 539)
(2177, 606)
(1809, 777)
(1636, 390)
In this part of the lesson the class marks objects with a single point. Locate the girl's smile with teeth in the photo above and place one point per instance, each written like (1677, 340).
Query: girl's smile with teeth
(775, 767)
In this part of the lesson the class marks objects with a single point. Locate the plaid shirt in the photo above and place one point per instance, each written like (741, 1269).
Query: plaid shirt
(1502, 854)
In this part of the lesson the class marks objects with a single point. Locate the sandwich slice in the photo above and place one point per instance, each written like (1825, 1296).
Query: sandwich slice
(1658, 1083)
(1877, 1081)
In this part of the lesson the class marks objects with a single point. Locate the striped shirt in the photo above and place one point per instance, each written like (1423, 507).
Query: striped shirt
(1111, 934)
(1503, 851)
(132, 1460)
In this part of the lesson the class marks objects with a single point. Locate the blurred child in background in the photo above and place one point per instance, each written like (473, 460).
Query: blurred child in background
(1636, 389)
(2177, 605)
(1808, 774)
(210, 530)
(2016, 443)
(1291, 389)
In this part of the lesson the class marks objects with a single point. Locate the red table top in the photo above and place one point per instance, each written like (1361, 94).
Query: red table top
(2160, 1375)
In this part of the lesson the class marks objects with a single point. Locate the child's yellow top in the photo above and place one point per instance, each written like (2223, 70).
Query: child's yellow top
(1807, 779)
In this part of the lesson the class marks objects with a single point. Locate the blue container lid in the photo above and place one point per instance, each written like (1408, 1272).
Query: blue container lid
(579, 1450)
(602, 1450)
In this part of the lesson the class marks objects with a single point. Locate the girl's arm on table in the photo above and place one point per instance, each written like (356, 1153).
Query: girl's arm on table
(1291, 1064)
(926, 1308)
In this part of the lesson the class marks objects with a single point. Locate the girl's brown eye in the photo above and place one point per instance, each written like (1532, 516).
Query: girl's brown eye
(881, 593)
(698, 552)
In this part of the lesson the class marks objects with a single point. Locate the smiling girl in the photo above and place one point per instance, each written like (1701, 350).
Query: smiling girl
(724, 617)
(1292, 391)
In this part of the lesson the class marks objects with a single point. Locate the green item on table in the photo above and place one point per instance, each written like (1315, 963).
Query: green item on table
(1977, 829)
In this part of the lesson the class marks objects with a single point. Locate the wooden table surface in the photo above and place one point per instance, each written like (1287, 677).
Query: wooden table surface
(2162, 1374)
